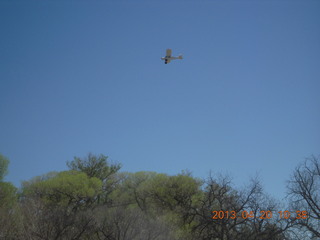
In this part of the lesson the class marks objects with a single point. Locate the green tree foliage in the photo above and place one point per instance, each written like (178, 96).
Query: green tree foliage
(8, 204)
(9, 212)
(159, 195)
(173, 191)
(132, 190)
(4, 162)
(153, 192)
(99, 167)
(8, 195)
(60, 205)
(69, 188)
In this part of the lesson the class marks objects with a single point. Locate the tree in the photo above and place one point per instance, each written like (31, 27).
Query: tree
(8, 195)
(94, 166)
(43, 221)
(304, 195)
(9, 216)
(98, 167)
(4, 162)
(130, 223)
(225, 213)
(69, 188)
(131, 190)
(161, 196)
(60, 206)
(8, 201)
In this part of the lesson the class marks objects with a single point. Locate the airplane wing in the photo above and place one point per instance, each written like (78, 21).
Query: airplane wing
(168, 53)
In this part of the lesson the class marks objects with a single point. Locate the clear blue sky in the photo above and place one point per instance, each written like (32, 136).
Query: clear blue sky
(86, 76)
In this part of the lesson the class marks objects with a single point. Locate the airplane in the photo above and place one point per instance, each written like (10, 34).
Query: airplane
(168, 56)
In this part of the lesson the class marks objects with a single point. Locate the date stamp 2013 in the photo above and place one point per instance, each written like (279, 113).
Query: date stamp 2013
(261, 214)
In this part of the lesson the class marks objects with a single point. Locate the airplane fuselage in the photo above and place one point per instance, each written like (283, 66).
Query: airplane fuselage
(168, 59)
(171, 58)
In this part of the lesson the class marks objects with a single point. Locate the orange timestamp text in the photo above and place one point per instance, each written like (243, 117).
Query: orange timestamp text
(261, 215)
